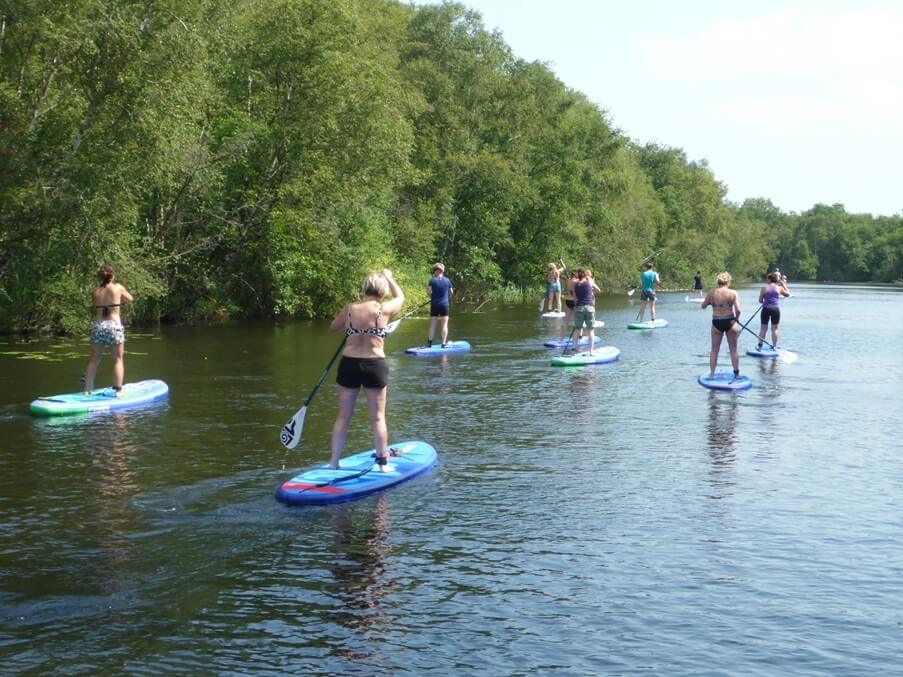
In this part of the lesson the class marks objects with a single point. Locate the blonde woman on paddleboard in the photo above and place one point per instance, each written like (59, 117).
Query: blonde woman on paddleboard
(725, 303)
(363, 363)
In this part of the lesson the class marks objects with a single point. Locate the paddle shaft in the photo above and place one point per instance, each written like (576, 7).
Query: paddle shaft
(743, 326)
(325, 371)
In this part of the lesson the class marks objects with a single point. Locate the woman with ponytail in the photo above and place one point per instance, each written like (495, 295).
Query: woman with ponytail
(107, 329)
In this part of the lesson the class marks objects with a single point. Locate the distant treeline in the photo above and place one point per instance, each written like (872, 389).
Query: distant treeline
(256, 157)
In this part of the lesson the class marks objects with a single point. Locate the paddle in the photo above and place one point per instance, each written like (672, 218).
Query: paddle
(392, 326)
(570, 342)
(347, 478)
(787, 356)
(291, 431)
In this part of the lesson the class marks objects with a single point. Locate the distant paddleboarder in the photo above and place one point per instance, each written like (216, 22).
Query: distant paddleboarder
(770, 298)
(107, 329)
(585, 306)
(440, 291)
(553, 287)
(697, 286)
(648, 279)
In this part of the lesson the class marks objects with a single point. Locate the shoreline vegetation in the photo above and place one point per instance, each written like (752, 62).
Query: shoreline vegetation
(255, 159)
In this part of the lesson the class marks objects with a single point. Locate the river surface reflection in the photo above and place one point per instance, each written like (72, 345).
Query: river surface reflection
(615, 519)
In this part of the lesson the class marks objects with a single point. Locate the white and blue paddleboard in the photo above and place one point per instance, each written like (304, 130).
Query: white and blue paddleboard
(567, 343)
(764, 351)
(648, 324)
(600, 356)
(437, 349)
(554, 313)
(724, 380)
(100, 400)
(357, 476)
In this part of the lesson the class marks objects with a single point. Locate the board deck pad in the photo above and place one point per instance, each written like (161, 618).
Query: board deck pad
(437, 349)
(100, 400)
(567, 343)
(357, 476)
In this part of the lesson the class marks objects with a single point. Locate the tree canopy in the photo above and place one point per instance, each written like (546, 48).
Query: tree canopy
(256, 158)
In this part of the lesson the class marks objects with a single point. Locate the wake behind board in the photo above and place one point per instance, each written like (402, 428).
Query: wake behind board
(599, 356)
(133, 395)
(554, 313)
(357, 476)
(437, 349)
(648, 324)
(567, 343)
(724, 380)
(765, 351)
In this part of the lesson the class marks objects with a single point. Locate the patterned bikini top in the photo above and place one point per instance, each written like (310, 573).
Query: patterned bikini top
(377, 331)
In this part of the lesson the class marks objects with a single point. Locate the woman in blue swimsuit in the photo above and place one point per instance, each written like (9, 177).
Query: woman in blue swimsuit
(363, 363)
(726, 310)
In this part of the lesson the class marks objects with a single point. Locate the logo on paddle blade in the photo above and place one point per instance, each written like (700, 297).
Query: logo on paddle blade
(288, 433)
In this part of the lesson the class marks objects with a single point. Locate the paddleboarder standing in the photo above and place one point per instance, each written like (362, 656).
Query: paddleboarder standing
(648, 278)
(440, 290)
(363, 363)
(107, 329)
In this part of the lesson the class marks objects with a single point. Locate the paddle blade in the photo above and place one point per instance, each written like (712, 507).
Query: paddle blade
(787, 356)
(392, 326)
(291, 431)
(630, 293)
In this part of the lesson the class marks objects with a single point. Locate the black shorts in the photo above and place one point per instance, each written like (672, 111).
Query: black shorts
(570, 303)
(362, 372)
(773, 314)
(439, 311)
(723, 324)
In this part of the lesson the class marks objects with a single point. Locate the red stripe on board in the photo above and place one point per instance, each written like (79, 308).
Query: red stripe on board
(327, 489)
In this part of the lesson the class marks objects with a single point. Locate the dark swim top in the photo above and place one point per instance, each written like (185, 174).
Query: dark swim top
(583, 291)
(439, 288)
(377, 331)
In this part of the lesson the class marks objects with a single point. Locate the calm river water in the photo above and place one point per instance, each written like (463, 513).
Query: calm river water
(610, 520)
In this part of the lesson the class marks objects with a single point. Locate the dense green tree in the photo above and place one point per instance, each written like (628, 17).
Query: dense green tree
(257, 157)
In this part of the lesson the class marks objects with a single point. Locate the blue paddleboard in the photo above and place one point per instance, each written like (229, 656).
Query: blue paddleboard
(357, 476)
(600, 356)
(566, 343)
(724, 380)
(437, 349)
(103, 399)
(766, 351)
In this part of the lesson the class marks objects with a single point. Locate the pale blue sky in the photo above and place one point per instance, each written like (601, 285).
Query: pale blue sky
(797, 101)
